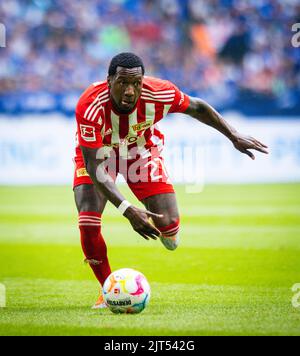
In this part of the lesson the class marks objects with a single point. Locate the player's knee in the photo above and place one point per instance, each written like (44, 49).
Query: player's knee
(87, 199)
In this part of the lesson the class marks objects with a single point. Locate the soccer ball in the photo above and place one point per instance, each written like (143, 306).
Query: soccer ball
(126, 291)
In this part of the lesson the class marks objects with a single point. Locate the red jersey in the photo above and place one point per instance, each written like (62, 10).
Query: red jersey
(99, 124)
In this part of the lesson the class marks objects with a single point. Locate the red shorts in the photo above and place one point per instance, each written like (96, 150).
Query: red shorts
(145, 177)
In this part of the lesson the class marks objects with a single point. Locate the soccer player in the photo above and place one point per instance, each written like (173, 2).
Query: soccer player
(117, 133)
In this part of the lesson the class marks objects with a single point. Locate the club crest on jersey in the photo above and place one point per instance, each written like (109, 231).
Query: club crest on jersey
(142, 126)
(88, 133)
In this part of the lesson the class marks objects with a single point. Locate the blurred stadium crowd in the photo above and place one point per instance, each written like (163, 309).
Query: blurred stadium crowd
(236, 54)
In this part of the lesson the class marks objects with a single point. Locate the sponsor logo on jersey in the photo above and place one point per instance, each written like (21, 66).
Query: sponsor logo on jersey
(112, 145)
(129, 140)
(88, 133)
(82, 172)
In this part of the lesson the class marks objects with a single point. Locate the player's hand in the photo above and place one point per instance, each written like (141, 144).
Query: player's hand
(139, 219)
(245, 143)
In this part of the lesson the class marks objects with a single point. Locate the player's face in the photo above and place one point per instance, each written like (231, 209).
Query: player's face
(126, 87)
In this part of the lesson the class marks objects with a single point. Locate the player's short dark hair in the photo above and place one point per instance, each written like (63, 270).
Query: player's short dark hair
(125, 60)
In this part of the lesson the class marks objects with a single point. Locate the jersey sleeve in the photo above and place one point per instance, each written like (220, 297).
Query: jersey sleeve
(89, 132)
(181, 101)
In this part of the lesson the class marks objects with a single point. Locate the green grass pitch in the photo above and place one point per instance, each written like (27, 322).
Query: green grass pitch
(232, 275)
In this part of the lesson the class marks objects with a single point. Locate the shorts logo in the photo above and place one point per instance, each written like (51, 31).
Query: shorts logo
(88, 133)
(82, 172)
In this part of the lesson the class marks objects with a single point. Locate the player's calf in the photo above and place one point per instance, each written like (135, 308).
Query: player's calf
(170, 235)
(93, 244)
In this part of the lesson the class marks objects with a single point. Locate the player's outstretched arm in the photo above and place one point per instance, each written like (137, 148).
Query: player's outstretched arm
(139, 218)
(206, 114)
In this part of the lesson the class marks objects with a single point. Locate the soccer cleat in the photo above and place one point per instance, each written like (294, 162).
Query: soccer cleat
(170, 242)
(100, 304)
(170, 236)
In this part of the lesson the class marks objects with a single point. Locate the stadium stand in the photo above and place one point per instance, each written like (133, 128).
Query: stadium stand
(235, 54)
